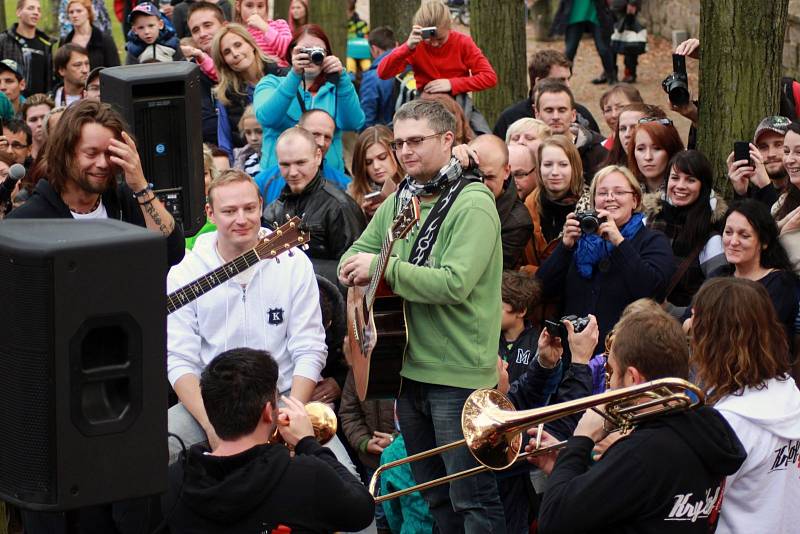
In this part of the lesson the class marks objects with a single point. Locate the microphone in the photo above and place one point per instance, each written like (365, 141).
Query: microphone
(15, 173)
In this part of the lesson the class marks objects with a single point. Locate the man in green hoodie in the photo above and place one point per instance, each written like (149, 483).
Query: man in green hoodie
(449, 272)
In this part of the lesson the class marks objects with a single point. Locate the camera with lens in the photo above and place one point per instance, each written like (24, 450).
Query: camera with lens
(429, 32)
(676, 85)
(590, 221)
(560, 330)
(315, 53)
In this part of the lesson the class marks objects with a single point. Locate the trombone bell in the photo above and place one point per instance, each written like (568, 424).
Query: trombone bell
(495, 450)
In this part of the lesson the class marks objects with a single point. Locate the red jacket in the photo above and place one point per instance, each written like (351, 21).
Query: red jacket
(458, 60)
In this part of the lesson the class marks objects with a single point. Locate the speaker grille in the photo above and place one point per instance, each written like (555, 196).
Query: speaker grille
(26, 372)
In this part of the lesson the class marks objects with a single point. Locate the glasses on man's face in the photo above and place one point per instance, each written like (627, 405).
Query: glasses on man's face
(16, 145)
(411, 142)
(521, 173)
(614, 193)
(662, 122)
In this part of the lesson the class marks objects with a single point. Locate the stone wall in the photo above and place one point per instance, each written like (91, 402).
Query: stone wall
(662, 17)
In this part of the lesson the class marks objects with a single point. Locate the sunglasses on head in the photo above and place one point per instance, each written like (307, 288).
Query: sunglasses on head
(663, 122)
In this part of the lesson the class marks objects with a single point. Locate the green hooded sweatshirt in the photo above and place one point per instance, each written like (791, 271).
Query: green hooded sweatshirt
(453, 303)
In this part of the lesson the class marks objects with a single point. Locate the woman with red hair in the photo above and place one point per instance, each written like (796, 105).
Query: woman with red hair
(316, 81)
(652, 145)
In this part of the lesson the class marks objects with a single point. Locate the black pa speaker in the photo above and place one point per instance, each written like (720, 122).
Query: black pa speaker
(161, 102)
(83, 402)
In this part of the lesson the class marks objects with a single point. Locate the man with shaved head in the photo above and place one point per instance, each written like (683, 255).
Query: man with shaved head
(524, 169)
(335, 220)
(516, 227)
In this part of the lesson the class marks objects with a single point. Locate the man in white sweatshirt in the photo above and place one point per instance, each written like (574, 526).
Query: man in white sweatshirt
(271, 306)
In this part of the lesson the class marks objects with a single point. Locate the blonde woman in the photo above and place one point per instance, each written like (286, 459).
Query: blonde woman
(528, 132)
(240, 66)
(601, 268)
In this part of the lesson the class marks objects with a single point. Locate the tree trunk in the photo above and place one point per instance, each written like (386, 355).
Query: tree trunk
(280, 9)
(498, 28)
(3, 16)
(332, 16)
(740, 72)
(397, 14)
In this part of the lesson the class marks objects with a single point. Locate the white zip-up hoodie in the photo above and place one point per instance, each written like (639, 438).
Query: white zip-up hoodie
(764, 495)
(278, 311)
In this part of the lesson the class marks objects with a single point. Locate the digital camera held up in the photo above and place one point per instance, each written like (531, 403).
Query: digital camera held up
(315, 53)
(590, 221)
(676, 85)
(560, 330)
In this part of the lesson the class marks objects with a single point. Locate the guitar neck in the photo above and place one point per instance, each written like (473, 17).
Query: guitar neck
(206, 283)
(383, 257)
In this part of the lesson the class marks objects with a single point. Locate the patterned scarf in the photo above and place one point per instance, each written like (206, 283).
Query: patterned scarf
(447, 175)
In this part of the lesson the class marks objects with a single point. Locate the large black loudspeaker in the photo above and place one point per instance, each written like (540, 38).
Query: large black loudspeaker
(83, 397)
(161, 102)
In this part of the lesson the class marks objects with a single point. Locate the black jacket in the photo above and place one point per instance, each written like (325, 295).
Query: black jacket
(665, 477)
(640, 267)
(208, 109)
(11, 47)
(333, 218)
(101, 47)
(520, 352)
(593, 154)
(261, 488)
(516, 226)
(45, 203)
(524, 109)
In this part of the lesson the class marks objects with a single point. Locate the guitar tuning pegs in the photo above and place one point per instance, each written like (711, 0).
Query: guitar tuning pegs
(275, 226)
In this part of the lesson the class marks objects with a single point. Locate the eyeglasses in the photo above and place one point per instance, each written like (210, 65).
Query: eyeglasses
(17, 145)
(411, 142)
(612, 194)
(663, 122)
(522, 173)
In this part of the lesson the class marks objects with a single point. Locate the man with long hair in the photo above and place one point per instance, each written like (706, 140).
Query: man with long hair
(89, 148)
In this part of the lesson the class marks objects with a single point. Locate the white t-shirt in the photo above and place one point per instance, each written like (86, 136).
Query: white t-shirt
(98, 213)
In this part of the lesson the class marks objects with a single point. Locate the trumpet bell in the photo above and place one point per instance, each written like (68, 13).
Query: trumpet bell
(494, 450)
(323, 419)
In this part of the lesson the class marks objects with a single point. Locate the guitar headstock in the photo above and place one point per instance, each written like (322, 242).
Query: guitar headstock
(291, 234)
(405, 220)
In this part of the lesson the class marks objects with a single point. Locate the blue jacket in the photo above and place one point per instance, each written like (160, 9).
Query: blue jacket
(640, 267)
(376, 95)
(276, 102)
(271, 183)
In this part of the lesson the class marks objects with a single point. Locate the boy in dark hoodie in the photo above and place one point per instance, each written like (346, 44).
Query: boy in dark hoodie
(667, 475)
(247, 484)
(152, 37)
(518, 337)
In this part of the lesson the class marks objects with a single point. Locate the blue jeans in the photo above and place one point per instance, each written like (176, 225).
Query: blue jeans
(430, 416)
(572, 38)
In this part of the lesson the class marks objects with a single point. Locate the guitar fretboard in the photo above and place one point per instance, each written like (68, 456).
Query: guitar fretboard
(383, 257)
(202, 285)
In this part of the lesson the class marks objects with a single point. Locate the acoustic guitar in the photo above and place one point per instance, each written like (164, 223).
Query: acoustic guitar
(376, 323)
(281, 240)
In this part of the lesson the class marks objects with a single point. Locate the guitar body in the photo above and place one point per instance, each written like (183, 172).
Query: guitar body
(377, 341)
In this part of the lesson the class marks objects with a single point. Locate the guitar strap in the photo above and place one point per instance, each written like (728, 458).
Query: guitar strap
(430, 229)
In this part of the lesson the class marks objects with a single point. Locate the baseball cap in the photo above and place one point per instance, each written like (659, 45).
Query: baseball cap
(145, 8)
(11, 65)
(773, 123)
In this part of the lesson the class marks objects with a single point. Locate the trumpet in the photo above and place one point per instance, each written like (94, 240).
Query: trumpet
(492, 427)
(323, 420)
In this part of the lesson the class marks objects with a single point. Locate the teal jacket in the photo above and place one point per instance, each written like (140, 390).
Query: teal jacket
(276, 102)
(408, 514)
(452, 304)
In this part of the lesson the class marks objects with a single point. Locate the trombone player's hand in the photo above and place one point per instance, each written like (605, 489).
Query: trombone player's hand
(592, 426)
(293, 422)
(545, 461)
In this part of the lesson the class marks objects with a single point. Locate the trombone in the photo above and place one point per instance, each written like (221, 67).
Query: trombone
(323, 421)
(492, 427)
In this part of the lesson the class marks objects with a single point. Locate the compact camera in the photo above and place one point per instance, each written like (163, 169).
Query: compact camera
(429, 32)
(676, 85)
(315, 53)
(560, 330)
(590, 221)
